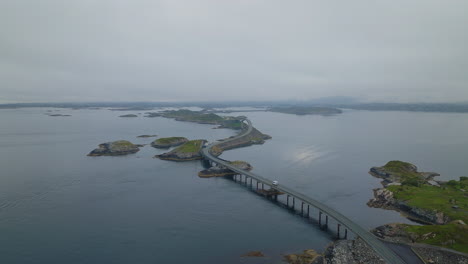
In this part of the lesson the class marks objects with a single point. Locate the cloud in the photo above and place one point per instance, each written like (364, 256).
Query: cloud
(115, 50)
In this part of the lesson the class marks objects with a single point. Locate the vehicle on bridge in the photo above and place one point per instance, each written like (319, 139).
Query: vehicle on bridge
(275, 183)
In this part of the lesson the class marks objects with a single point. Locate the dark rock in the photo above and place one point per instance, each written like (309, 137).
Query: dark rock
(116, 148)
(186, 152)
(147, 136)
(168, 142)
(351, 252)
(219, 171)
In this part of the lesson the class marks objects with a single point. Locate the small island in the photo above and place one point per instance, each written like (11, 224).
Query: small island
(308, 256)
(219, 171)
(146, 136)
(168, 142)
(443, 206)
(186, 152)
(200, 117)
(57, 115)
(115, 148)
(306, 110)
(129, 115)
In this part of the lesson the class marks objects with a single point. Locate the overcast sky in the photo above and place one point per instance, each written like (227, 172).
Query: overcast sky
(198, 50)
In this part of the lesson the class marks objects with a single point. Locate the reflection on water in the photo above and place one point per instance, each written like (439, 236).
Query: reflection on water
(304, 155)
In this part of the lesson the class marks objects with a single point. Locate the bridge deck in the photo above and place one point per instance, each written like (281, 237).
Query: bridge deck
(387, 254)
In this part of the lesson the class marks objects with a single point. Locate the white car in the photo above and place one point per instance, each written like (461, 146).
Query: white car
(275, 183)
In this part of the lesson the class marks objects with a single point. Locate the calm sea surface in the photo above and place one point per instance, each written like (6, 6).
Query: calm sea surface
(59, 206)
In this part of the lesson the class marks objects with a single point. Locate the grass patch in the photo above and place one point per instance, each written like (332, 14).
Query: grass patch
(453, 235)
(441, 199)
(193, 116)
(190, 146)
(168, 140)
(122, 143)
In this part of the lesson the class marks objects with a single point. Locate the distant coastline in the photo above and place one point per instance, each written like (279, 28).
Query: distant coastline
(147, 106)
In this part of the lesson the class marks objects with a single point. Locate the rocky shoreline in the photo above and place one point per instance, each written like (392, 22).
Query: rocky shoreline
(186, 152)
(115, 148)
(220, 171)
(168, 142)
(406, 172)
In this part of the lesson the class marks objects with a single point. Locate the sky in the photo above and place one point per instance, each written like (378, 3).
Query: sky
(227, 50)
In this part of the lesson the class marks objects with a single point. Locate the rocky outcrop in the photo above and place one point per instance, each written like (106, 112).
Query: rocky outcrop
(129, 115)
(168, 142)
(186, 152)
(116, 148)
(432, 255)
(383, 198)
(307, 257)
(394, 232)
(395, 172)
(219, 171)
(351, 252)
(147, 136)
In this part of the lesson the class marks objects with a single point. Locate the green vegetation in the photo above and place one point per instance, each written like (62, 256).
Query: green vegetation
(441, 199)
(122, 143)
(451, 199)
(406, 171)
(201, 117)
(452, 235)
(168, 140)
(190, 146)
(193, 116)
(306, 110)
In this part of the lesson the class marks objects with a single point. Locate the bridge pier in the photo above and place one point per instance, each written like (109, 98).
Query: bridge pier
(308, 211)
(287, 201)
(257, 185)
(302, 209)
(346, 233)
(263, 187)
(338, 231)
(294, 203)
(326, 221)
(250, 182)
(320, 219)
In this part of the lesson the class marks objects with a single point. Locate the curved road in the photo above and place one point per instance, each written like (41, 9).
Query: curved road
(387, 254)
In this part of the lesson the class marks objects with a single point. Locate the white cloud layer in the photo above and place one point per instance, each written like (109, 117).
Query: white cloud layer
(135, 50)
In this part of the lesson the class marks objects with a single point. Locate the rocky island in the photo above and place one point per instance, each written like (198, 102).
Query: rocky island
(168, 142)
(443, 206)
(129, 115)
(306, 110)
(199, 117)
(147, 136)
(115, 148)
(188, 151)
(57, 115)
(219, 171)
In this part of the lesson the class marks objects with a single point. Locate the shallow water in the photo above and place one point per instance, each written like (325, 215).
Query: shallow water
(59, 206)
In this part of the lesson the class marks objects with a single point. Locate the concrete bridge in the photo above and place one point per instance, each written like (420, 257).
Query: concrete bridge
(343, 222)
